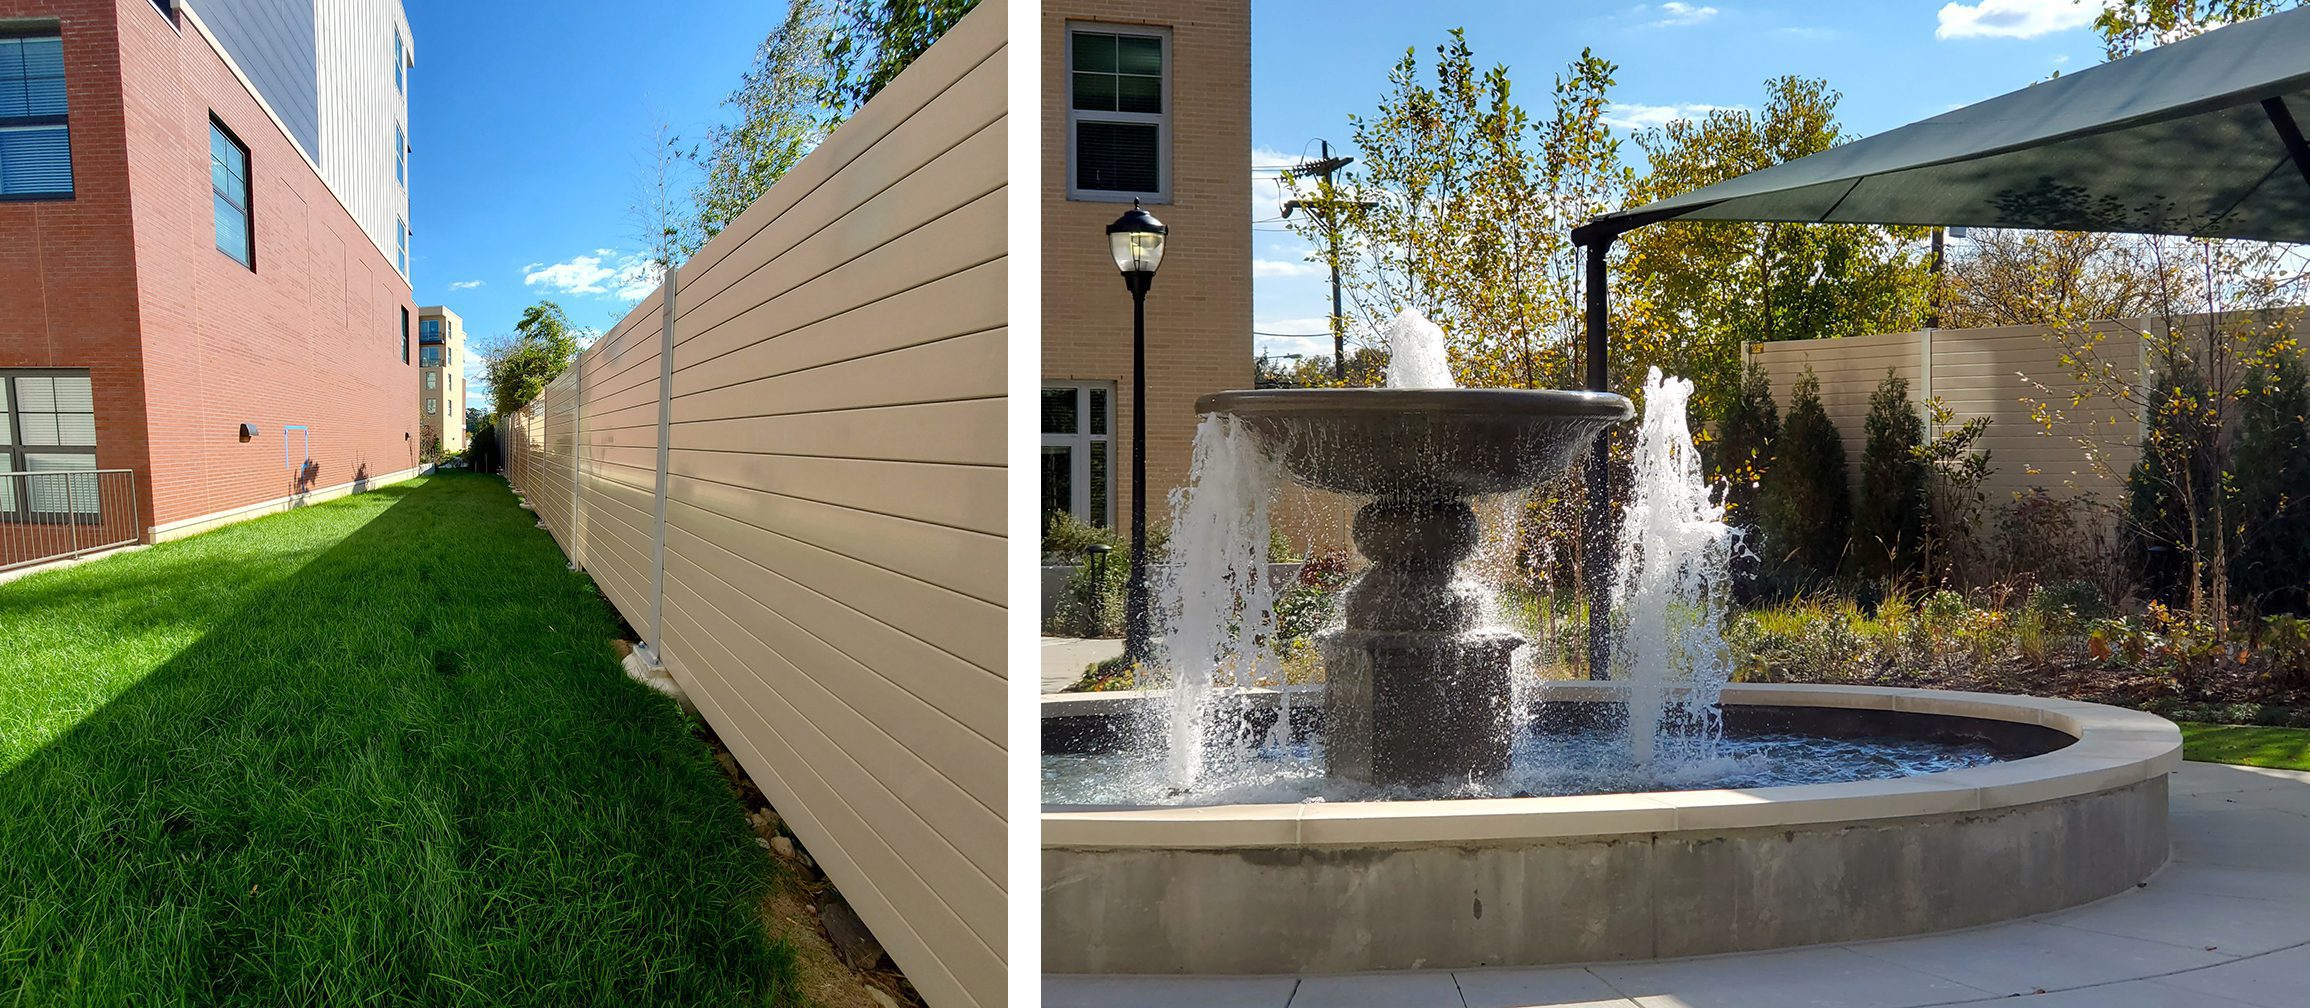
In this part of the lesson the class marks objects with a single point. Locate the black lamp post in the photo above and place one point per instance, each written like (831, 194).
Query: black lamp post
(1136, 238)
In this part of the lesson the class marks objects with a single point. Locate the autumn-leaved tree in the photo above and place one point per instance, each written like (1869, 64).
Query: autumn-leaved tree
(2225, 309)
(1711, 287)
(2003, 277)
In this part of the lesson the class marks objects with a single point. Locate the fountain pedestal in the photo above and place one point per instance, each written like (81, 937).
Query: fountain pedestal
(1414, 693)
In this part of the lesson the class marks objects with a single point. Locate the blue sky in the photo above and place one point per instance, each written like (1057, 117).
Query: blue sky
(1896, 61)
(530, 123)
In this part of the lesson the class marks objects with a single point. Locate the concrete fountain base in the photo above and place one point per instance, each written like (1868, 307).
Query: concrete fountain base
(1349, 886)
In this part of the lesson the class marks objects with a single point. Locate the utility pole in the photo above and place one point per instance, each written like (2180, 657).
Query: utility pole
(1329, 205)
(1933, 312)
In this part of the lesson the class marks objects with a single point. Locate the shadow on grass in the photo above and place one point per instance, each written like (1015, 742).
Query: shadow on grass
(376, 751)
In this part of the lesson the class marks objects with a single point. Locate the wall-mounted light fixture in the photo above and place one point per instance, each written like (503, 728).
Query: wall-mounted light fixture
(248, 432)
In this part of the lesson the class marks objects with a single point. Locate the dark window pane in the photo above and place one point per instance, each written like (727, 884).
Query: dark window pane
(1138, 94)
(1098, 480)
(1095, 51)
(1059, 411)
(1058, 480)
(35, 160)
(1099, 411)
(1095, 92)
(1117, 157)
(1139, 54)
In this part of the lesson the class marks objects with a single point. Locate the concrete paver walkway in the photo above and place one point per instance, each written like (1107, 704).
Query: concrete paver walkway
(2226, 924)
(1065, 657)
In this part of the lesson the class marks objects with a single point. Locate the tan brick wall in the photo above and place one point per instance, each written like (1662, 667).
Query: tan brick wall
(1199, 311)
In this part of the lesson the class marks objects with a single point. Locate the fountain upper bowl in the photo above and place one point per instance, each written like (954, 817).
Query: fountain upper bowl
(1421, 443)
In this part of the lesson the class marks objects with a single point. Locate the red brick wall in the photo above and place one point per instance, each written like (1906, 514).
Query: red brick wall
(68, 267)
(310, 337)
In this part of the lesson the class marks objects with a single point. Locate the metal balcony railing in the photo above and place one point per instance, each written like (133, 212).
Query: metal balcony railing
(54, 515)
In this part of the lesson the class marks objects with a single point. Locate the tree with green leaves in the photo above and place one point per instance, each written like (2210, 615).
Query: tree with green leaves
(1462, 204)
(1742, 452)
(518, 367)
(1713, 287)
(877, 40)
(1889, 516)
(1807, 508)
(2130, 26)
(782, 115)
(2272, 460)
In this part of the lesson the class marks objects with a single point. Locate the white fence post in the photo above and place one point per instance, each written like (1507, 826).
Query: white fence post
(655, 647)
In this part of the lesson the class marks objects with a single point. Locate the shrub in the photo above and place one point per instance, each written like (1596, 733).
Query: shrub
(2272, 463)
(1739, 458)
(1743, 450)
(1091, 604)
(2046, 540)
(1889, 515)
(1065, 537)
(1806, 506)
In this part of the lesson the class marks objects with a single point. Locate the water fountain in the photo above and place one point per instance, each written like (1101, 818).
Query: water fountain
(1439, 808)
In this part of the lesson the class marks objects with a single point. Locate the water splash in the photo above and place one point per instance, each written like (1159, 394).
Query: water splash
(1217, 603)
(1416, 358)
(1671, 587)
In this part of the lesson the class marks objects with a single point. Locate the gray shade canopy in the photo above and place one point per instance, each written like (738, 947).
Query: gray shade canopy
(2196, 137)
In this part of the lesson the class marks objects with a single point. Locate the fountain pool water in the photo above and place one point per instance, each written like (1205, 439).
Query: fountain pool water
(1434, 804)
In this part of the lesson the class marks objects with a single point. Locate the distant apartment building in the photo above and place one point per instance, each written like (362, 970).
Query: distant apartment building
(1146, 100)
(441, 384)
(204, 249)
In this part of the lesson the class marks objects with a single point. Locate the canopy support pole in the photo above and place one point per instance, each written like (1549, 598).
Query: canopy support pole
(1596, 538)
(2290, 133)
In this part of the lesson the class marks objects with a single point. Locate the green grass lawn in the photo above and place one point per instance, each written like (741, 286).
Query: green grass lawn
(2249, 745)
(376, 751)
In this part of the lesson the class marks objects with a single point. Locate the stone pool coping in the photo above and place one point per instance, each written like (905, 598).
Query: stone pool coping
(2115, 748)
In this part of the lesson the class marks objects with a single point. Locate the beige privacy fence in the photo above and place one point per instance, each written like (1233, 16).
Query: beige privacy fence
(800, 507)
(1993, 373)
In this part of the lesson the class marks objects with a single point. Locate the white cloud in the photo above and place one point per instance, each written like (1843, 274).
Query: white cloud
(1632, 116)
(1678, 15)
(2014, 18)
(626, 278)
(1285, 268)
(465, 284)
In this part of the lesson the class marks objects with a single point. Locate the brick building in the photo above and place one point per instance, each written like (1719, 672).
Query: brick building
(204, 246)
(1148, 100)
(441, 382)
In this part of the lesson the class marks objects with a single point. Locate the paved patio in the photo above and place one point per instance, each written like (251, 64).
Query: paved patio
(1065, 657)
(2225, 924)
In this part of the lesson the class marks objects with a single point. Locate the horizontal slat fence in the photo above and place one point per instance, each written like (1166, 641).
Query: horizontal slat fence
(832, 589)
(1992, 373)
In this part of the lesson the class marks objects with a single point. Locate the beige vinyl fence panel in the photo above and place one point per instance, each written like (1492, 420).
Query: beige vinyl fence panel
(2000, 373)
(833, 559)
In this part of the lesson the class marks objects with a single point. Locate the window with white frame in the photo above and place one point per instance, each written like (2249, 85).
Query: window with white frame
(1078, 466)
(432, 380)
(400, 59)
(47, 424)
(432, 406)
(400, 155)
(1118, 113)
